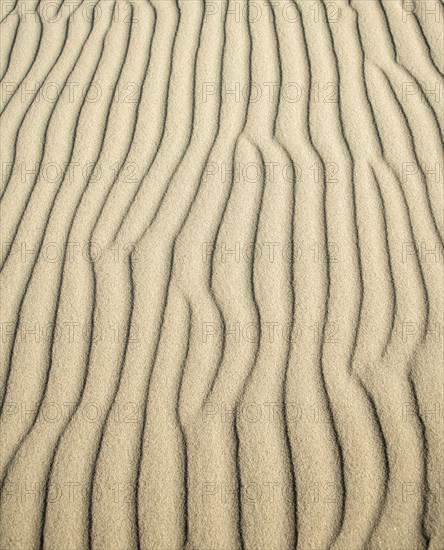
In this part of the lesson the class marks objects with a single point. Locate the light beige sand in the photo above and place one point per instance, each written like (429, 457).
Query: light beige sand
(222, 274)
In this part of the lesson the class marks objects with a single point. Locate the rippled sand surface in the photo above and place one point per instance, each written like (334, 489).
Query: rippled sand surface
(222, 275)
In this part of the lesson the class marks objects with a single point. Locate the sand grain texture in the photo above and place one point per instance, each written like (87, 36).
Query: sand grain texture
(222, 283)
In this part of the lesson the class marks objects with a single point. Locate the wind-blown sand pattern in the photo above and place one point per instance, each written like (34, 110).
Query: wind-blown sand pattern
(222, 274)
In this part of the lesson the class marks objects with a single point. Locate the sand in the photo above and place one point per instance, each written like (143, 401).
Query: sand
(222, 274)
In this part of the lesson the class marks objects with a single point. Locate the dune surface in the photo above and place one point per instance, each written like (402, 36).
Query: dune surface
(222, 274)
